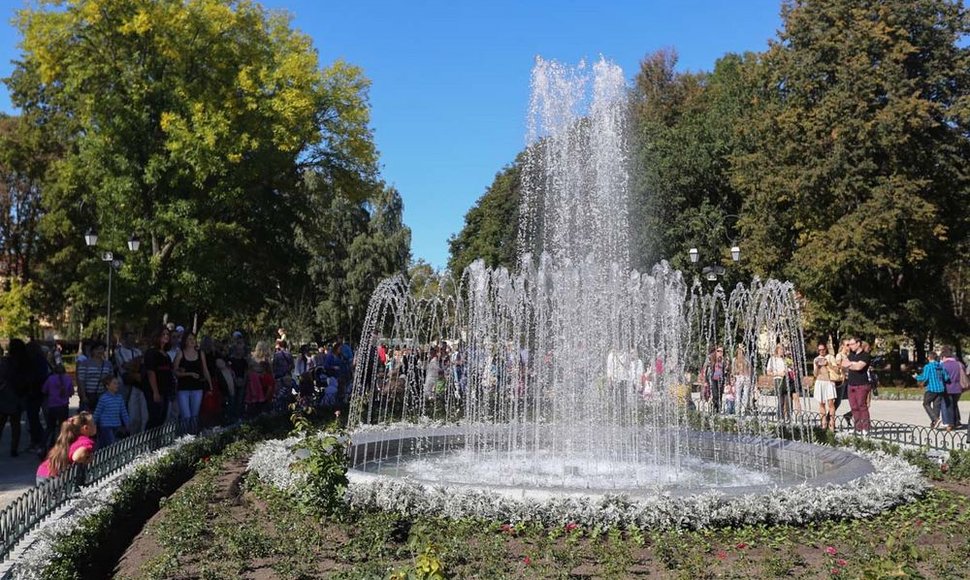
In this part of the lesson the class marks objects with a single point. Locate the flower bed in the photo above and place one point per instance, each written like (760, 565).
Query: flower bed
(894, 482)
(94, 530)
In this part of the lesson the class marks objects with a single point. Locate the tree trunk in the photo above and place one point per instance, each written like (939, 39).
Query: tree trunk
(919, 343)
(895, 361)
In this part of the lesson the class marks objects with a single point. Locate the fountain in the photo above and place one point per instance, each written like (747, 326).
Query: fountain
(573, 374)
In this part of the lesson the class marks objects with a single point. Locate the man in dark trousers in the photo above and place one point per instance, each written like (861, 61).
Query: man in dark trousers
(856, 366)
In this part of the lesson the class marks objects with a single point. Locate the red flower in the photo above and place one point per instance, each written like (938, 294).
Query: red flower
(571, 526)
(831, 551)
(841, 563)
(527, 561)
(721, 555)
(741, 546)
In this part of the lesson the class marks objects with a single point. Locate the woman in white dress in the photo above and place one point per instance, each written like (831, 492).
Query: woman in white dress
(431, 373)
(777, 369)
(825, 393)
(741, 370)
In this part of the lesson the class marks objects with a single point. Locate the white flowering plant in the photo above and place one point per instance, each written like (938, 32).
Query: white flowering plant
(894, 482)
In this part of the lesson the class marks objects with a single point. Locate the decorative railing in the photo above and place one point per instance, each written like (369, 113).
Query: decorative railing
(39, 502)
(880, 430)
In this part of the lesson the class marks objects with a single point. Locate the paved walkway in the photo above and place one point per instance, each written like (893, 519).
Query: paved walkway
(17, 474)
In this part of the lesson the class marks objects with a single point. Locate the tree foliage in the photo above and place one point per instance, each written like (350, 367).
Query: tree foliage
(197, 126)
(843, 149)
(491, 227)
(854, 174)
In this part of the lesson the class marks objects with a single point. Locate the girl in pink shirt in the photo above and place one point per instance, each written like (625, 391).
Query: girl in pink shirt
(75, 444)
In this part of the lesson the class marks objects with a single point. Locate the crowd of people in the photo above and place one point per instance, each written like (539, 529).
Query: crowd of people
(173, 376)
(848, 375)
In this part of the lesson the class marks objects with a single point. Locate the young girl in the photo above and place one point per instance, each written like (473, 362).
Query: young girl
(111, 414)
(57, 389)
(729, 397)
(75, 444)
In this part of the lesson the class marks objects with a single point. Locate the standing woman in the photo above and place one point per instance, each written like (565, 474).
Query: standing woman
(825, 386)
(159, 380)
(742, 380)
(9, 405)
(193, 377)
(777, 369)
(58, 390)
(431, 371)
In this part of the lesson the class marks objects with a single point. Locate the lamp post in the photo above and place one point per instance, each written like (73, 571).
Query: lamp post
(91, 240)
(713, 271)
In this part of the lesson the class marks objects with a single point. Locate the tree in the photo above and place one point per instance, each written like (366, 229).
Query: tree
(491, 226)
(854, 169)
(189, 123)
(22, 166)
(685, 131)
(15, 313)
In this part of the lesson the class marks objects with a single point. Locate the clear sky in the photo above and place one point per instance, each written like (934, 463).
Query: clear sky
(450, 78)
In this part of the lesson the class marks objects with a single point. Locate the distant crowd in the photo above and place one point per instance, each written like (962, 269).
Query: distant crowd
(172, 376)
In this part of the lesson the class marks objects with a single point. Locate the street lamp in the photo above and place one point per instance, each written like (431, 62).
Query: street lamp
(713, 271)
(91, 240)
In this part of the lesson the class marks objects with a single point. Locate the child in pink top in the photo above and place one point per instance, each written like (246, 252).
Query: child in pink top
(75, 444)
(57, 389)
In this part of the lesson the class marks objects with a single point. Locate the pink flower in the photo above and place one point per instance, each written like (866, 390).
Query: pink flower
(571, 526)
(831, 551)
(721, 555)
(741, 546)
(841, 563)
(835, 571)
(527, 561)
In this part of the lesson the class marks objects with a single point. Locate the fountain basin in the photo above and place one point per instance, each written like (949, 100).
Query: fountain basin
(728, 464)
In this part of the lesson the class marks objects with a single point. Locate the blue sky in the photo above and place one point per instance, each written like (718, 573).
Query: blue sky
(450, 79)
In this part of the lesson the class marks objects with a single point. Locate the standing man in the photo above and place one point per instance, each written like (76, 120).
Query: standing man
(935, 378)
(958, 378)
(857, 366)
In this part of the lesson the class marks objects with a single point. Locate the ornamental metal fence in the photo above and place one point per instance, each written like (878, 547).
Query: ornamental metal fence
(879, 430)
(39, 502)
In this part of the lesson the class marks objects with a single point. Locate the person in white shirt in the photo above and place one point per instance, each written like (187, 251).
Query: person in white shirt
(777, 369)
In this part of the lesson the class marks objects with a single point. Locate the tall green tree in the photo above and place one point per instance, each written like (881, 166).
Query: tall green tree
(188, 123)
(491, 226)
(854, 176)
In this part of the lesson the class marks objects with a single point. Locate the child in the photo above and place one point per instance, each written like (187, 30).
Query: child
(73, 445)
(111, 414)
(260, 388)
(57, 389)
(729, 397)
